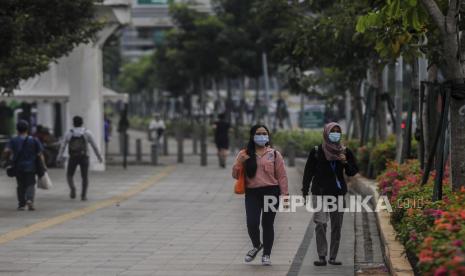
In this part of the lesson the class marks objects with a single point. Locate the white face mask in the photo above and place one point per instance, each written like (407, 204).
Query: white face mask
(334, 137)
(261, 140)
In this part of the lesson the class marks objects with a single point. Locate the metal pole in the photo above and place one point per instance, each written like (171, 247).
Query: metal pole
(420, 122)
(291, 156)
(348, 111)
(125, 150)
(398, 103)
(165, 144)
(139, 150)
(179, 139)
(195, 140)
(266, 79)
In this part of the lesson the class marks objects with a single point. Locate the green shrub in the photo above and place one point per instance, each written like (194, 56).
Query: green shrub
(384, 152)
(139, 123)
(304, 141)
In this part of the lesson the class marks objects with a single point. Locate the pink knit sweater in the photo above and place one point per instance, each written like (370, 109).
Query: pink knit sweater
(267, 174)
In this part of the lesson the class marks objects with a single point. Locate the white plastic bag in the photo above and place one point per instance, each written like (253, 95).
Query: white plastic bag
(45, 182)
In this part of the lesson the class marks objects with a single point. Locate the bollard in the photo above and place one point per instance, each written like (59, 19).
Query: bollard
(203, 146)
(125, 150)
(165, 144)
(195, 141)
(138, 150)
(179, 139)
(154, 154)
(291, 153)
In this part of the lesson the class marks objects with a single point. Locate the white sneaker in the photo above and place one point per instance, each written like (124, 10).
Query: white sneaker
(266, 260)
(252, 254)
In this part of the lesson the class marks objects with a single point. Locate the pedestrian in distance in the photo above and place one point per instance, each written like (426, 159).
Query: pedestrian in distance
(222, 139)
(107, 130)
(26, 154)
(325, 169)
(265, 175)
(157, 126)
(77, 140)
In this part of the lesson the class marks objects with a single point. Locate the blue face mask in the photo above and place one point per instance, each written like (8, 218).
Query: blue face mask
(334, 137)
(261, 140)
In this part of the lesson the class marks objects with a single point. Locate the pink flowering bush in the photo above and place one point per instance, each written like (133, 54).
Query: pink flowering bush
(433, 233)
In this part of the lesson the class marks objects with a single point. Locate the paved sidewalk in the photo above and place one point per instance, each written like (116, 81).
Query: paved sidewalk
(189, 223)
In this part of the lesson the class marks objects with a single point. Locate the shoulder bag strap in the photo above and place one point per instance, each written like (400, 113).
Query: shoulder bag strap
(20, 152)
(275, 164)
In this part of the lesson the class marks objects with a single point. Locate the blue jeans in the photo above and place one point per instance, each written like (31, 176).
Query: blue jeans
(26, 187)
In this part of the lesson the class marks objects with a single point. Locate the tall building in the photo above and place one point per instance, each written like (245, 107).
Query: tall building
(150, 21)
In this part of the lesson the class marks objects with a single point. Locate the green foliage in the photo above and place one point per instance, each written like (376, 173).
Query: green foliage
(322, 35)
(38, 32)
(139, 123)
(302, 140)
(136, 76)
(398, 27)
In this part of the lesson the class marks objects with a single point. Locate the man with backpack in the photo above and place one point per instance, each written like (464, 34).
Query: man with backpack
(77, 139)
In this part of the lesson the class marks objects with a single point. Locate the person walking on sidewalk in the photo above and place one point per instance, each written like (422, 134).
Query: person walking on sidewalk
(265, 175)
(157, 126)
(222, 139)
(324, 169)
(25, 151)
(77, 140)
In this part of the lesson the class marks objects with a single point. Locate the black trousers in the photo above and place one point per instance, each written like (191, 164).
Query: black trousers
(83, 163)
(26, 187)
(254, 207)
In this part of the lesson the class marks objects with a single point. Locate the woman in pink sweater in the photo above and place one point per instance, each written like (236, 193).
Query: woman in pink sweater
(265, 176)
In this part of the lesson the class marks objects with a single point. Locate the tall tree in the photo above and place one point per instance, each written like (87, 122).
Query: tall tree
(38, 32)
(403, 24)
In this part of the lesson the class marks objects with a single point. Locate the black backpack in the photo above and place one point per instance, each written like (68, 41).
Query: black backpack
(77, 145)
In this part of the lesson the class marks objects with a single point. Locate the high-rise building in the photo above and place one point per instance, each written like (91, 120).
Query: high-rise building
(150, 21)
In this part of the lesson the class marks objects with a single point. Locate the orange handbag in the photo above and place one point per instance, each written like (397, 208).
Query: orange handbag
(239, 186)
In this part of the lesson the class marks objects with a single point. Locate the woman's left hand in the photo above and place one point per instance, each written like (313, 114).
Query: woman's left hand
(286, 201)
(343, 158)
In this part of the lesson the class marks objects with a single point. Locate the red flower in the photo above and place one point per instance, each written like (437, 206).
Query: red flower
(457, 243)
(441, 271)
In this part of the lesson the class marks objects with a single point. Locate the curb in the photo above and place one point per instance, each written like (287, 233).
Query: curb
(393, 250)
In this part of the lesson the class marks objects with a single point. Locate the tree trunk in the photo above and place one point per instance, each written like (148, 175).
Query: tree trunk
(415, 87)
(454, 73)
(382, 108)
(357, 111)
(375, 81)
(447, 25)
(429, 111)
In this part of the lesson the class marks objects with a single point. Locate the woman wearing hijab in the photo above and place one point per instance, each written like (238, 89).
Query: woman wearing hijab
(265, 175)
(325, 169)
